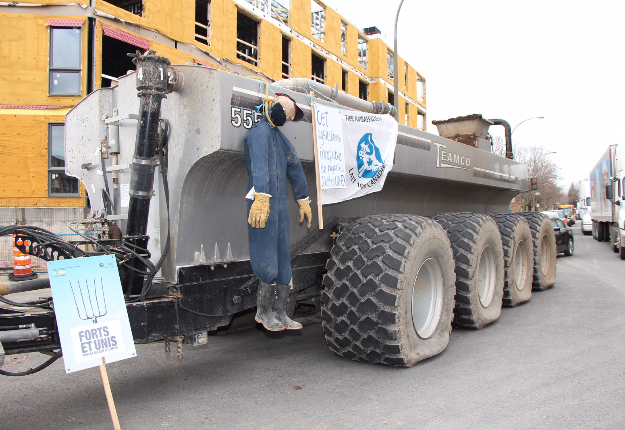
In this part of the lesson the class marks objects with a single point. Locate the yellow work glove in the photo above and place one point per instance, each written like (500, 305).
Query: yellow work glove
(305, 211)
(259, 212)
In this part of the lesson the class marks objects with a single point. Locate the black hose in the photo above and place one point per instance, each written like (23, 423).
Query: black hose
(38, 303)
(162, 153)
(52, 359)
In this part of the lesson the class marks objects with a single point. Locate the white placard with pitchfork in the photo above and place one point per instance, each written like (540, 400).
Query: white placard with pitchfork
(91, 315)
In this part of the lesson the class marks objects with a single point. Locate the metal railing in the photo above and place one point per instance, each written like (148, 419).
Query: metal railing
(276, 10)
(51, 213)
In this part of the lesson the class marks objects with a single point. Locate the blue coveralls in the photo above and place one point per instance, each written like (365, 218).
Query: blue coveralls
(270, 158)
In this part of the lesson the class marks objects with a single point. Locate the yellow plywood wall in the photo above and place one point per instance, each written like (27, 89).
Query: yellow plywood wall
(300, 17)
(227, 25)
(301, 20)
(24, 155)
(25, 54)
(377, 92)
(271, 50)
(332, 39)
(301, 55)
(377, 59)
(123, 15)
(174, 19)
(24, 152)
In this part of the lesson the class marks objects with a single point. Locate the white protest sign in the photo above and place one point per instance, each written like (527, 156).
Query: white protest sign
(329, 131)
(368, 149)
(90, 312)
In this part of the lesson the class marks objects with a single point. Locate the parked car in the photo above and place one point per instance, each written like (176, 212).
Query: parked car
(564, 237)
(557, 213)
(586, 221)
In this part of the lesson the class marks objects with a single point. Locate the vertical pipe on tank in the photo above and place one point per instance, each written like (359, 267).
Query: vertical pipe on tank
(506, 125)
(152, 77)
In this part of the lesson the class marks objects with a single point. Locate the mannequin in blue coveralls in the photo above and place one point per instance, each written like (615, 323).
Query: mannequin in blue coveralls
(270, 159)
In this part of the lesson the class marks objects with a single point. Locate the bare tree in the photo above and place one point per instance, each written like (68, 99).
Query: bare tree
(573, 194)
(499, 145)
(540, 166)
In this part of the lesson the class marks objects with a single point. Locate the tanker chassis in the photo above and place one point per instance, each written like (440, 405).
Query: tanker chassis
(388, 273)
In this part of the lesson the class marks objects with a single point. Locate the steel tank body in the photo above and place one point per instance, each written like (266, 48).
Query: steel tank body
(208, 118)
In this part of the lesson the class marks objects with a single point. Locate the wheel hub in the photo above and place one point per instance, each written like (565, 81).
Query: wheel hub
(427, 298)
(486, 274)
(520, 265)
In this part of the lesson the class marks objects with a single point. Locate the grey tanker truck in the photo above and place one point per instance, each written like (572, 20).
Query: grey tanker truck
(161, 158)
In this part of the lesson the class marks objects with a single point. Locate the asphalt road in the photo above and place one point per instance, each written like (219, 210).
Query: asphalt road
(555, 362)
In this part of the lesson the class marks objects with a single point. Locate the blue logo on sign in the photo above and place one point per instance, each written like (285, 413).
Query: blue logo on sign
(369, 158)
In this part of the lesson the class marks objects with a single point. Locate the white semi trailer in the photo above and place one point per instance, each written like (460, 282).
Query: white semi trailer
(161, 158)
(607, 197)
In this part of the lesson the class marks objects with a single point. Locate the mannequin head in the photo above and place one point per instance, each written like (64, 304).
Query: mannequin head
(285, 109)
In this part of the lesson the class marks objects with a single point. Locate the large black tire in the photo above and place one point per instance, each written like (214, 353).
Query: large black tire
(518, 258)
(544, 241)
(600, 232)
(379, 268)
(478, 255)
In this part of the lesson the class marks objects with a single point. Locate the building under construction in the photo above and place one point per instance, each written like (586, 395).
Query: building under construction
(55, 52)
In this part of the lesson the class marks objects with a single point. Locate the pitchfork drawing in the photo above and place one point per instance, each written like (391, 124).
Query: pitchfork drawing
(88, 305)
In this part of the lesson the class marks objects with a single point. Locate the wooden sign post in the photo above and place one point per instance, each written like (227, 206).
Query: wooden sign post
(91, 316)
(109, 395)
(317, 172)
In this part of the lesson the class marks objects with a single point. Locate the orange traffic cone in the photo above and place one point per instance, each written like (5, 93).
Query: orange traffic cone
(21, 262)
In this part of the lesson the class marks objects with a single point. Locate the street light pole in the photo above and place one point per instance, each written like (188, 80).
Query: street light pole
(536, 117)
(534, 205)
(395, 67)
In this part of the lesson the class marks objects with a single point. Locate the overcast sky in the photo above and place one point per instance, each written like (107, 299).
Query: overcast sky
(514, 60)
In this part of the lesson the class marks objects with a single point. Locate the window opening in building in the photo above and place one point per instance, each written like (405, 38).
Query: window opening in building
(247, 39)
(278, 11)
(363, 90)
(407, 116)
(58, 182)
(286, 57)
(318, 69)
(263, 5)
(391, 98)
(343, 38)
(362, 52)
(420, 89)
(115, 59)
(406, 77)
(344, 80)
(318, 26)
(421, 120)
(65, 61)
(389, 62)
(133, 6)
(202, 21)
